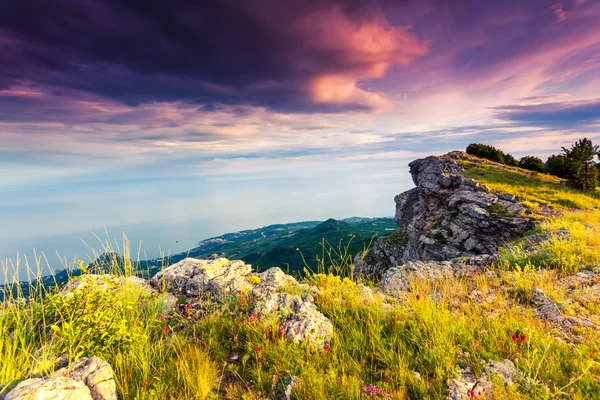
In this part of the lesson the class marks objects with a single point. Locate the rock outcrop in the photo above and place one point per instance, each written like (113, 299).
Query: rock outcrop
(549, 311)
(86, 379)
(446, 216)
(221, 280)
(467, 386)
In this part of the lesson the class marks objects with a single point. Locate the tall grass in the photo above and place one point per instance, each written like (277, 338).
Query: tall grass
(405, 348)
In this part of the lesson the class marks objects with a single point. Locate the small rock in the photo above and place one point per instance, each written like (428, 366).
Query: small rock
(467, 383)
(548, 311)
(233, 357)
(287, 395)
(580, 279)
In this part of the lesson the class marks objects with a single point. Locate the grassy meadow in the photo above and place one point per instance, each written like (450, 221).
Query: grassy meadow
(406, 348)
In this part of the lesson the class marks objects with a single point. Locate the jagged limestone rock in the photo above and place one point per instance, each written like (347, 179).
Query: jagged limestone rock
(97, 375)
(50, 389)
(301, 320)
(87, 378)
(446, 216)
(386, 253)
(467, 386)
(221, 279)
(549, 311)
(192, 277)
(272, 280)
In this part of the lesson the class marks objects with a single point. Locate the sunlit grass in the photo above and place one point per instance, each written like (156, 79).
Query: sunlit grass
(534, 189)
(408, 349)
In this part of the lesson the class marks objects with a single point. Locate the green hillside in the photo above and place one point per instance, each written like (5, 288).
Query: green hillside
(289, 246)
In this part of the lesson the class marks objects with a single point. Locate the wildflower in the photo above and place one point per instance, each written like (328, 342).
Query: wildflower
(259, 351)
(281, 330)
(418, 296)
(523, 338)
(514, 337)
(326, 348)
(166, 329)
(591, 355)
(472, 393)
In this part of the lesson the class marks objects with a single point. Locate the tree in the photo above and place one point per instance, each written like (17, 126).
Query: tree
(532, 163)
(557, 165)
(582, 170)
(510, 160)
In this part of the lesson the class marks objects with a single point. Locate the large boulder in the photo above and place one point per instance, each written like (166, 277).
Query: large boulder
(192, 277)
(446, 216)
(220, 280)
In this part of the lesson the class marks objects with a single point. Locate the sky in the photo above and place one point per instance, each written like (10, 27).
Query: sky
(119, 112)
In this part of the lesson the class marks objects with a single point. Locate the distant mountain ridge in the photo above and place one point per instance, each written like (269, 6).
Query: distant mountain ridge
(287, 246)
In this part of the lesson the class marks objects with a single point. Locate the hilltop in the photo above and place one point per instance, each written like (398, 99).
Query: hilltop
(488, 289)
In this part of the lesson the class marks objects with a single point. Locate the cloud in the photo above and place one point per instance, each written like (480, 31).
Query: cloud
(563, 115)
(542, 99)
(295, 56)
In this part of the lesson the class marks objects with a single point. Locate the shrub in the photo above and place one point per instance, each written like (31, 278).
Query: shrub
(491, 153)
(532, 163)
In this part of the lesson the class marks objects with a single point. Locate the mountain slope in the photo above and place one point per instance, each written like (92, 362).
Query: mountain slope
(289, 246)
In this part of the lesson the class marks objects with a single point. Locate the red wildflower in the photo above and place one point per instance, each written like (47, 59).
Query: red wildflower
(259, 350)
(418, 296)
(472, 393)
(167, 329)
(514, 337)
(523, 338)
(326, 347)
(188, 306)
(591, 355)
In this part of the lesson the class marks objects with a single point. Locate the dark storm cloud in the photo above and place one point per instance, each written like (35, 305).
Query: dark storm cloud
(266, 53)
